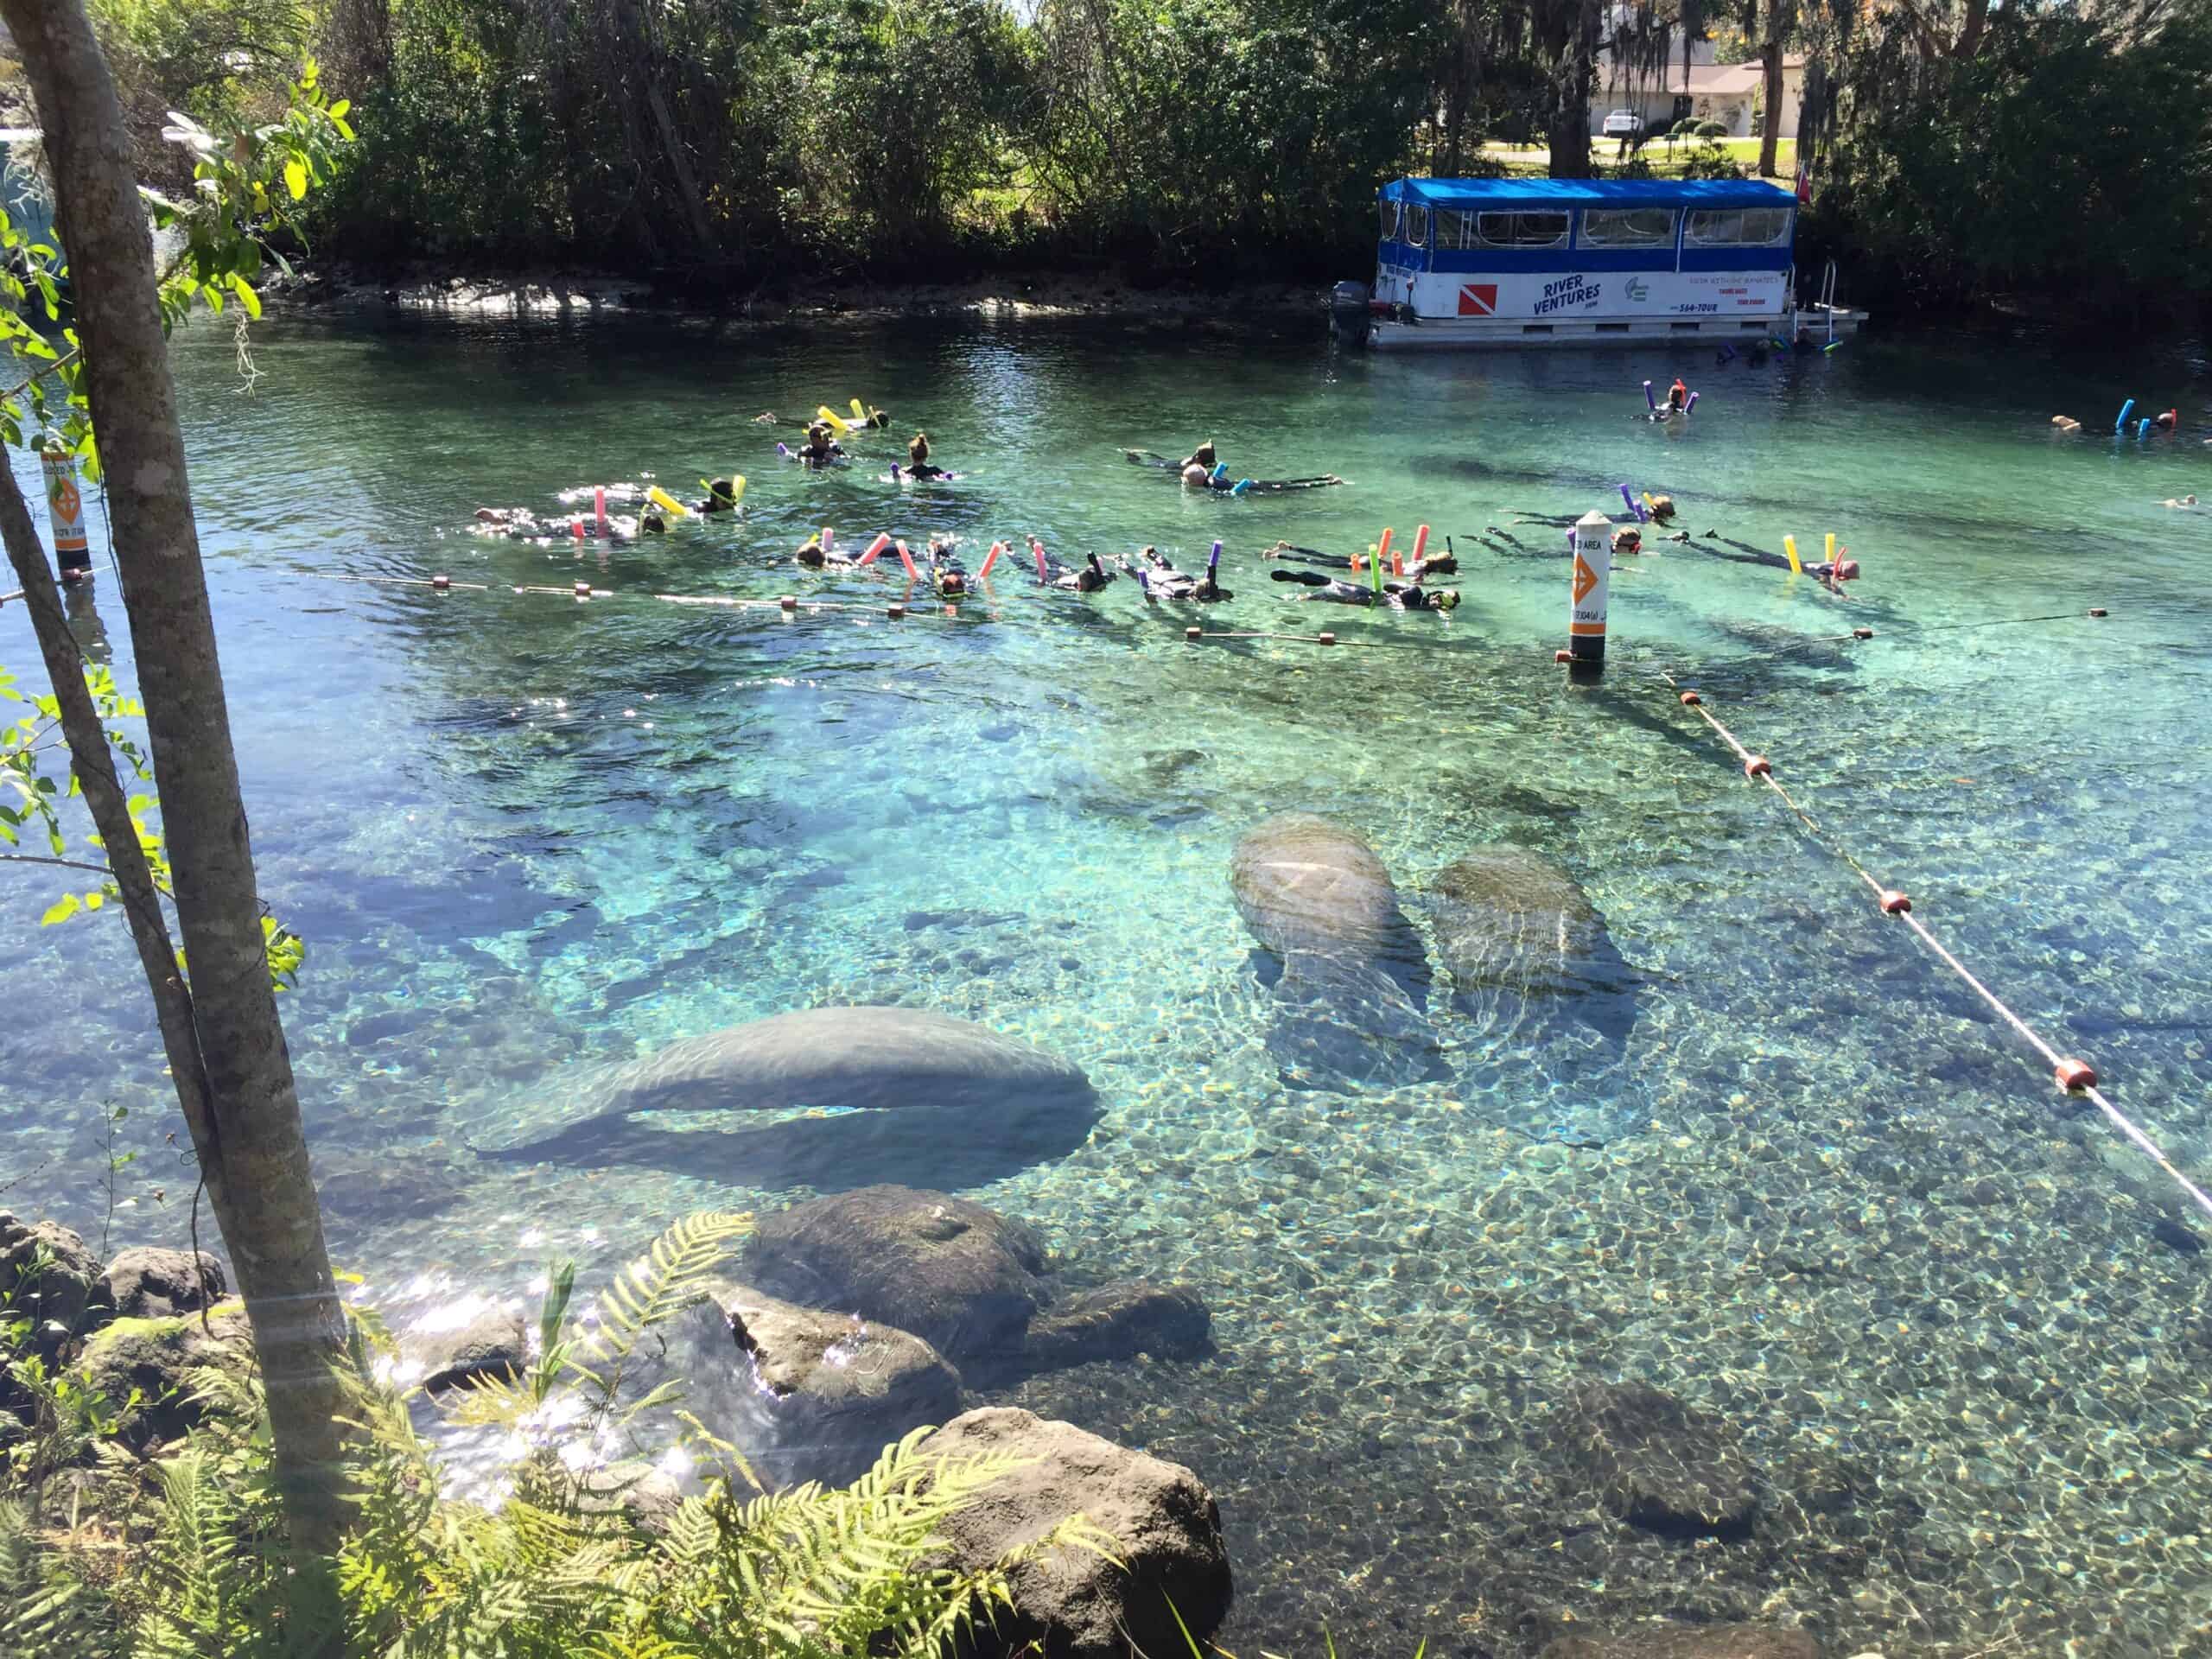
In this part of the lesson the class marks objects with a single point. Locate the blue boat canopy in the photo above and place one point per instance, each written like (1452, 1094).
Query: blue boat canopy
(1468, 194)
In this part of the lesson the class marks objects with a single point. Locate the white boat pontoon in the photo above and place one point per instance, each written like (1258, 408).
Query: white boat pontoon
(1585, 262)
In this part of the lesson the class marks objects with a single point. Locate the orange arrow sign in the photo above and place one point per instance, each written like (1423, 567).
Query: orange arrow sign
(1584, 580)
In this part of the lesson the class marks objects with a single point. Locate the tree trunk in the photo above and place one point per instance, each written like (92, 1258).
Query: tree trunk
(109, 801)
(1970, 28)
(1770, 61)
(254, 1154)
(1573, 45)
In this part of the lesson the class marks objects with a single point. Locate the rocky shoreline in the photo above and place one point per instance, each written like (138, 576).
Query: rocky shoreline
(1018, 295)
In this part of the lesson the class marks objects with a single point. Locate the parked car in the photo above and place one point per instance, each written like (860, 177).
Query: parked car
(1624, 124)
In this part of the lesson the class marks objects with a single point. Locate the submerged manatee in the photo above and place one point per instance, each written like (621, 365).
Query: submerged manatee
(1517, 932)
(906, 1091)
(1320, 901)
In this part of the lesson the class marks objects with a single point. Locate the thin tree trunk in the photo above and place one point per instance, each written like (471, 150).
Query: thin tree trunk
(1771, 60)
(105, 794)
(1569, 133)
(258, 1175)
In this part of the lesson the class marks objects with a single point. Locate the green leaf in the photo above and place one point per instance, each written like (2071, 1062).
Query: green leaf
(247, 297)
(60, 910)
(295, 178)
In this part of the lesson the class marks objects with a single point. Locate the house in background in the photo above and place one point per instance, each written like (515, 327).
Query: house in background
(1702, 89)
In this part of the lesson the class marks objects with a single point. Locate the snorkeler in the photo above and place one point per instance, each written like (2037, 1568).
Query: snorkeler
(1678, 396)
(918, 461)
(1626, 540)
(814, 557)
(1662, 508)
(820, 449)
(2167, 421)
(1396, 595)
(1160, 578)
(2066, 423)
(947, 574)
(2185, 501)
(1418, 571)
(721, 497)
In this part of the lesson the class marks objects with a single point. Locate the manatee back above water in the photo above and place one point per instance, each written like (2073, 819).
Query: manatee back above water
(868, 1058)
(1313, 893)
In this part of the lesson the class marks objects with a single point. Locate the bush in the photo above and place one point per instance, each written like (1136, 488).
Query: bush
(1710, 129)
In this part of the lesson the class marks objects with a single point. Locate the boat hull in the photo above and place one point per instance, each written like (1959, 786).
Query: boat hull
(1493, 333)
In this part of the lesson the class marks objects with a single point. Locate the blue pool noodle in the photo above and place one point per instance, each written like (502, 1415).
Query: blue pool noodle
(2120, 425)
(1649, 402)
(1213, 561)
(1632, 507)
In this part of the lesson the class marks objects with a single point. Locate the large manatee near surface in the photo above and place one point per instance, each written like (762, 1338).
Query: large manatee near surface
(1519, 937)
(1347, 968)
(886, 1092)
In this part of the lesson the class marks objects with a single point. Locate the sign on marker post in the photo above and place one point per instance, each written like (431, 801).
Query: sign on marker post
(65, 507)
(1593, 571)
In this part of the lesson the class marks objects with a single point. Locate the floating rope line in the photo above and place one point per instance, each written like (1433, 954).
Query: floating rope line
(2073, 1076)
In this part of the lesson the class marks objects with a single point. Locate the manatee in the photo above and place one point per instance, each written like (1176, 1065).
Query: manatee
(1515, 932)
(1343, 962)
(886, 1092)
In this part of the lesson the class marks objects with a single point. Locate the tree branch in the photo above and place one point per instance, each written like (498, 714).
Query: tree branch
(59, 863)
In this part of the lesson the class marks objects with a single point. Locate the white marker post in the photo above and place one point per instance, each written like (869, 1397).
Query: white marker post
(1593, 572)
(65, 508)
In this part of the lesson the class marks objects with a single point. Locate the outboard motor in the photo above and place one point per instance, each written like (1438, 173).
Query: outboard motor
(1349, 315)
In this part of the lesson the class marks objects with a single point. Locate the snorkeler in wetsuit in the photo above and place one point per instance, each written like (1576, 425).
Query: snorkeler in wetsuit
(1436, 564)
(918, 460)
(947, 574)
(1678, 396)
(721, 497)
(1198, 468)
(820, 449)
(1160, 578)
(1396, 595)
(814, 557)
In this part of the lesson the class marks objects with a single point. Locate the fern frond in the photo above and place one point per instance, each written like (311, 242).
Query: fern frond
(653, 1289)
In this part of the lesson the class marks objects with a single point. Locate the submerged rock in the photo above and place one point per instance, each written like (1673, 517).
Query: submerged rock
(806, 1395)
(1342, 955)
(890, 1090)
(1660, 1463)
(1131, 1317)
(147, 1283)
(974, 1284)
(1071, 1604)
(1515, 929)
(964, 1279)
(1688, 1641)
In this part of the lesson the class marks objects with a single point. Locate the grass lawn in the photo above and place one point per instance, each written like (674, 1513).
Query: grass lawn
(1534, 160)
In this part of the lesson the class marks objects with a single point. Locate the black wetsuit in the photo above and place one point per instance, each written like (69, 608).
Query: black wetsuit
(1397, 595)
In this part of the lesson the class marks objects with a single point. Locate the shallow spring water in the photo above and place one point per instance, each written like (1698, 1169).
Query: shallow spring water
(1821, 1195)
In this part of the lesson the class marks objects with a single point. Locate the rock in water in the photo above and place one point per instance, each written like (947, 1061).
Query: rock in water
(806, 1395)
(46, 1271)
(1319, 900)
(1659, 1464)
(1688, 1641)
(899, 1087)
(494, 1344)
(152, 1284)
(964, 1279)
(1071, 1604)
(1516, 929)
(1117, 1320)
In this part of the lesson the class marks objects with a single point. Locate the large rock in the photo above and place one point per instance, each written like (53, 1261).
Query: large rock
(806, 1395)
(1515, 929)
(1659, 1464)
(46, 1271)
(1688, 1641)
(146, 1283)
(156, 1357)
(964, 1279)
(893, 1089)
(1346, 965)
(1070, 1603)
(1117, 1320)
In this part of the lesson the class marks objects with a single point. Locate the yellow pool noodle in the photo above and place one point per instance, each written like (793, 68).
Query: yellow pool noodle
(833, 420)
(662, 499)
(1831, 547)
(860, 415)
(1790, 546)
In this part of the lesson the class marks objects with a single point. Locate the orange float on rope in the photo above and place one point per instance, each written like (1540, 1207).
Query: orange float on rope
(1757, 767)
(1194, 634)
(1324, 640)
(1862, 633)
(441, 583)
(896, 612)
(583, 590)
(788, 603)
(1562, 656)
(2097, 611)
(2075, 1074)
(1894, 903)
(1691, 700)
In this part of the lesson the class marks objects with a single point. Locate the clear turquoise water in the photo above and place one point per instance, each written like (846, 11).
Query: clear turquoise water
(1821, 1195)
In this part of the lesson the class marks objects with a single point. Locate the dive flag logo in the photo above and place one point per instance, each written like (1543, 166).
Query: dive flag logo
(1479, 299)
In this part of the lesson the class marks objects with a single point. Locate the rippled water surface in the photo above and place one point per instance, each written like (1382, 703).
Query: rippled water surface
(1820, 1193)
